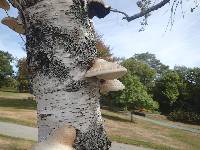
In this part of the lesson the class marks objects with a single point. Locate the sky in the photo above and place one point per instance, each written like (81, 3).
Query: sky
(179, 46)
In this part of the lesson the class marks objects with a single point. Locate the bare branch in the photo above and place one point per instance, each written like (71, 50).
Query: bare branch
(117, 11)
(141, 14)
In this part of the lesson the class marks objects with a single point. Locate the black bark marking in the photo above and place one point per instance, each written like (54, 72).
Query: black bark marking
(75, 86)
(40, 49)
(94, 139)
(44, 116)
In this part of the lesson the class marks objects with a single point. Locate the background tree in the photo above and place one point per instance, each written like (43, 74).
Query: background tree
(6, 69)
(103, 50)
(138, 82)
(166, 90)
(190, 91)
(134, 96)
(23, 76)
(152, 61)
(145, 73)
(187, 107)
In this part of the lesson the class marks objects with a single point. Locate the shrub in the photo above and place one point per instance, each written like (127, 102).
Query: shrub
(186, 117)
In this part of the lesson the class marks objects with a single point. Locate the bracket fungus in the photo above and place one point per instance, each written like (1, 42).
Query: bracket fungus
(97, 8)
(111, 85)
(14, 24)
(103, 69)
(4, 5)
(62, 139)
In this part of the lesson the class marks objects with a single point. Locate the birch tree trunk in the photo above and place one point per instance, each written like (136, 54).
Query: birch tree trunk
(60, 47)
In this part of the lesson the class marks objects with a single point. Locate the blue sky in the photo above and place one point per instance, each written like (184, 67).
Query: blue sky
(180, 46)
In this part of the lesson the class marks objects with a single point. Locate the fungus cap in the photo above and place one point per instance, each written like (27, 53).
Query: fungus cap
(64, 135)
(103, 69)
(111, 85)
(4, 5)
(14, 24)
(61, 139)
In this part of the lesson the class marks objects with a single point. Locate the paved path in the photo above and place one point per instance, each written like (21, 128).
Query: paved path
(170, 124)
(30, 133)
(18, 131)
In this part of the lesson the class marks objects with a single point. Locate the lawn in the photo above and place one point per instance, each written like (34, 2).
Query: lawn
(10, 143)
(118, 126)
(13, 94)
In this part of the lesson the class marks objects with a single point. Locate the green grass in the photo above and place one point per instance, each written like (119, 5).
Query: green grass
(18, 103)
(11, 95)
(11, 143)
(115, 118)
(16, 121)
(146, 144)
(8, 89)
(14, 138)
(124, 131)
(186, 138)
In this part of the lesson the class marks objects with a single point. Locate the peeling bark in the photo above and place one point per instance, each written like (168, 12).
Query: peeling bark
(60, 47)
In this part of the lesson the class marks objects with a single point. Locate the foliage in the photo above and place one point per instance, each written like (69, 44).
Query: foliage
(6, 69)
(152, 61)
(134, 96)
(10, 82)
(23, 76)
(166, 90)
(176, 91)
(137, 68)
(189, 99)
(182, 116)
(103, 51)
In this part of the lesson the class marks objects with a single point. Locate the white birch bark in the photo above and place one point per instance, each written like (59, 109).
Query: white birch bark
(60, 47)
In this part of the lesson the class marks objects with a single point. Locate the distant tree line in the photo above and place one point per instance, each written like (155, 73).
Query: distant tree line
(6, 70)
(8, 78)
(152, 86)
(23, 76)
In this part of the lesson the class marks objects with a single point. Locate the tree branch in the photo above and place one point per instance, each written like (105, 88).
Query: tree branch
(141, 14)
(117, 11)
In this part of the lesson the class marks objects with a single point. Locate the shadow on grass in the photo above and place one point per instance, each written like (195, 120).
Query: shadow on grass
(116, 118)
(112, 109)
(29, 123)
(18, 103)
(13, 90)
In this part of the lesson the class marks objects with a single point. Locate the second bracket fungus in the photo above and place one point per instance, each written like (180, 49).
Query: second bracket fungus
(103, 69)
(4, 5)
(111, 85)
(62, 139)
(97, 8)
(14, 24)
